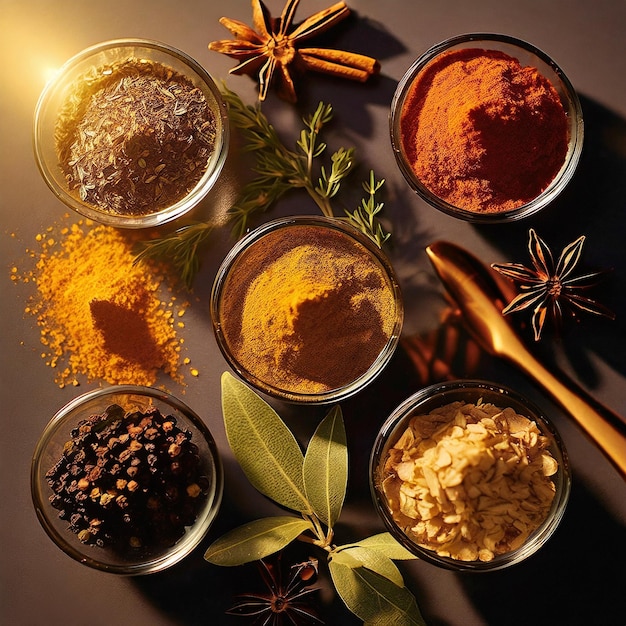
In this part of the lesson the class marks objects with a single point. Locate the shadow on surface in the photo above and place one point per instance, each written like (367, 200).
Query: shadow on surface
(594, 205)
(572, 580)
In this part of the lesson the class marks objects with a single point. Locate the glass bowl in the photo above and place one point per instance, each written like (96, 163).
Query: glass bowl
(307, 309)
(528, 56)
(131, 166)
(482, 489)
(160, 503)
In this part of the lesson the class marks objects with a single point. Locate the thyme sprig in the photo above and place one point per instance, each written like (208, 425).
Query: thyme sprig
(278, 169)
(180, 249)
(364, 218)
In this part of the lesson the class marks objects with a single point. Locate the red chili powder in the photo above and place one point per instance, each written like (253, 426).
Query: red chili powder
(482, 132)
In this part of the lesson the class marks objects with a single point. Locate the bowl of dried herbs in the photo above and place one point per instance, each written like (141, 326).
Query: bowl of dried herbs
(131, 133)
(126, 479)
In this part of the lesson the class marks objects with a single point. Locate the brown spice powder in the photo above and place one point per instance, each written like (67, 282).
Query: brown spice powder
(100, 315)
(306, 309)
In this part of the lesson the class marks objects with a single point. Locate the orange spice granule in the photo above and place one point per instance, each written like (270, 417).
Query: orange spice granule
(99, 314)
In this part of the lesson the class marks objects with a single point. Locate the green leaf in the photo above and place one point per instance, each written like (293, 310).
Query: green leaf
(263, 445)
(326, 468)
(386, 544)
(356, 556)
(255, 540)
(374, 598)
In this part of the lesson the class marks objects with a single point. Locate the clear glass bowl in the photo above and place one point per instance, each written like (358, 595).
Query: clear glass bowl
(468, 391)
(527, 55)
(50, 448)
(77, 71)
(261, 244)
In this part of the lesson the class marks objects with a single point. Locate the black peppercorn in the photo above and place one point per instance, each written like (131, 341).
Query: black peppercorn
(128, 480)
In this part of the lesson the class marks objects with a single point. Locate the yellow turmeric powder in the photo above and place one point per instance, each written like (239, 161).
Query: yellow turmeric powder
(306, 309)
(101, 316)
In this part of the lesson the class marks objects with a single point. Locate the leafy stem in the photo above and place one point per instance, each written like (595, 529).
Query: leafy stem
(181, 249)
(314, 485)
(323, 539)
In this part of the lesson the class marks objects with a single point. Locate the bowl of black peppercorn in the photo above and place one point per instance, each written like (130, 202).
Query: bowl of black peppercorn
(126, 479)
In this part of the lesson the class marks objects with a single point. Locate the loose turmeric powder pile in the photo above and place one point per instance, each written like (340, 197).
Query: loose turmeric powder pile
(100, 316)
(307, 310)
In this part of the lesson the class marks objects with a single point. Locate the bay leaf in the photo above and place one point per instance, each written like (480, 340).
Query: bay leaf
(326, 468)
(372, 559)
(263, 445)
(373, 598)
(385, 543)
(255, 540)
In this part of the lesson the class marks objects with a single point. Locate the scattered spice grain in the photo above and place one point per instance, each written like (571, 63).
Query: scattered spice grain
(483, 132)
(100, 315)
(307, 309)
(134, 137)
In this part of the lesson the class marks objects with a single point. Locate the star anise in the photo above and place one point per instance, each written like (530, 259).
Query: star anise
(283, 603)
(272, 49)
(548, 289)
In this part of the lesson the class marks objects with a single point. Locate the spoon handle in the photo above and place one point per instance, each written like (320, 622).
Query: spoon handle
(605, 428)
(479, 298)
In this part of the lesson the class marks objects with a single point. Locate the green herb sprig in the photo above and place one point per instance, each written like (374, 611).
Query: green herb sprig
(181, 249)
(312, 485)
(278, 170)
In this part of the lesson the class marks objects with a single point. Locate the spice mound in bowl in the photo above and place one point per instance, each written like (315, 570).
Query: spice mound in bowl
(306, 309)
(126, 479)
(131, 133)
(470, 476)
(486, 128)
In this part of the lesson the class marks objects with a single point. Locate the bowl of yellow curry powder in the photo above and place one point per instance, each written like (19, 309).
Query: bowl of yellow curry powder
(131, 133)
(307, 309)
(126, 479)
(486, 128)
(470, 476)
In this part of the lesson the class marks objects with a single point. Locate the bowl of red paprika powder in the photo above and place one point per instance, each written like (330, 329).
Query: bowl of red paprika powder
(132, 133)
(486, 128)
(126, 479)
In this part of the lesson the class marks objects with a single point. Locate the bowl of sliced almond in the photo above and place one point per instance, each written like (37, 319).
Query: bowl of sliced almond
(470, 476)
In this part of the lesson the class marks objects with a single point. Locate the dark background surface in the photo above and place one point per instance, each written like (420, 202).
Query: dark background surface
(576, 578)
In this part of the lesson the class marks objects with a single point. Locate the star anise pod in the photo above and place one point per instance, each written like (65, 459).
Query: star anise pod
(284, 602)
(548, 289)
(272, 49)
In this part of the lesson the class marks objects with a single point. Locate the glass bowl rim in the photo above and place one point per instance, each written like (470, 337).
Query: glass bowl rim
(430, 395)
(183, 546)
(324, 397)
(574, 116)
(56, 84)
